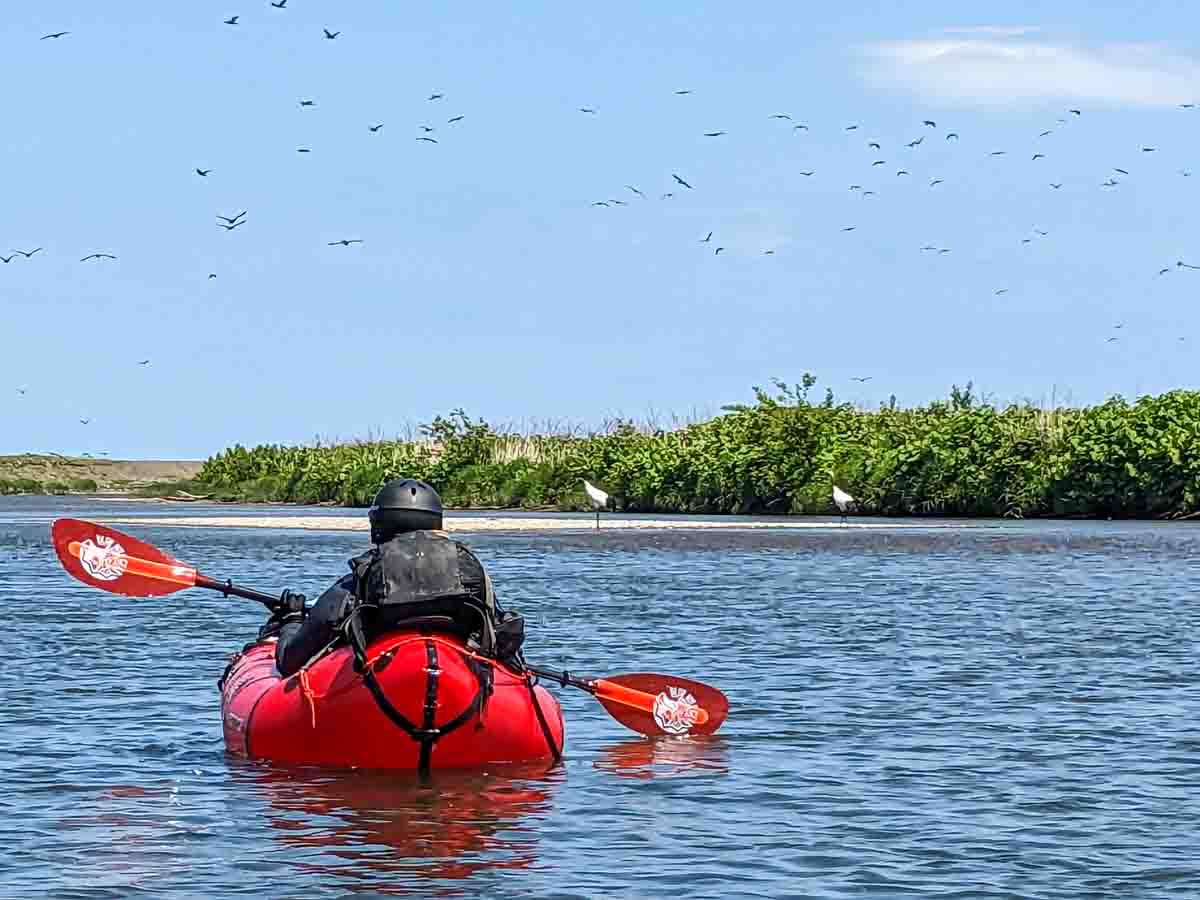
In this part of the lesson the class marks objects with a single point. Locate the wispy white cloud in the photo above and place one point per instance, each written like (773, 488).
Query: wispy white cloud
(1014, 65)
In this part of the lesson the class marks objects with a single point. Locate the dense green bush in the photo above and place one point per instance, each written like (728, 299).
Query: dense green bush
(958, 457)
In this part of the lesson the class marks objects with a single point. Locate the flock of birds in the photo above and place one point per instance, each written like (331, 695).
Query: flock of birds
(680, 181)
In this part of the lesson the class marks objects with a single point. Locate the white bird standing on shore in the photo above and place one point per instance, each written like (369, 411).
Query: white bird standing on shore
(843, 501)
(598, 497)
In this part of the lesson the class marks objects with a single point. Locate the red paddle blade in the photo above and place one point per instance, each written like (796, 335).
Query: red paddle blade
(662, 704)
(117, 563)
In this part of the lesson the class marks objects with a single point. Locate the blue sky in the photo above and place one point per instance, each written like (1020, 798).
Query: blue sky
(487, 280)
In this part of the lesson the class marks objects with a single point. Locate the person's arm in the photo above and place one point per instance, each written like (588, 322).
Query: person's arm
(299, 641)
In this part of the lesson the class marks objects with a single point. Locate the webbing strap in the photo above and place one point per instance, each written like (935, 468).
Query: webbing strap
(555, 750)
(428, 733)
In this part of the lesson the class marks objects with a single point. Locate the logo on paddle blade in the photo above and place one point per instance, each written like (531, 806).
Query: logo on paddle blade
(104, 559)
(675, 710)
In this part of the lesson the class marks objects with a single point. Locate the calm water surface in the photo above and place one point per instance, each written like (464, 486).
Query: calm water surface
(1005, 710)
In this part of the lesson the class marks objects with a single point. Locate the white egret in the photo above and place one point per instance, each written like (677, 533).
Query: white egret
(598, 497)
(843, 501)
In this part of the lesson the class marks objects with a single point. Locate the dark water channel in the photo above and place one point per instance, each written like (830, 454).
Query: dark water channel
(1004, 710)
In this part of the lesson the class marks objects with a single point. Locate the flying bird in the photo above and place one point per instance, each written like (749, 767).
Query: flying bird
(303, 150)
(232, 20)
(427, 128)
(599, 203)
(374, 128)
(849, 228)
(952, 134)
(930, 123)
(781, 116)
(586, 109)
(1187, 105)
(1122, 171)
(863, 380)
(1182, 265)
(874, 146)
(917, 142)
(706, 238)
(717, 252)
(84, 421)
(1037, 156)
(434, 97)
(56, 34)
(1044, 133)
(27, 255)
(1001, 291)
(97, 256)
(1077, 112)
(308, 102)
(713, 133)
(344, 243)
(681, 181)
(428, 139)
(667, 196)
(230, 226)
(866, 194)
(7, 259)
(1111, 340)
(799, 127)
(808, 174)
(1163, 271)
(454, 119)
(22, 391)
(935, 182)
(1056, 186)
(280, 5)
(768, 253)
(1149, 149)
(944, 250)
(636, 191)
(856, 187)
(851, 127)
(203, 173)
(330, 35)
(143, 362)
(1112, 182)
(997, 153)
(902, 172)
(681, 93)
(214, 274)
(879, 162)
(843, 501)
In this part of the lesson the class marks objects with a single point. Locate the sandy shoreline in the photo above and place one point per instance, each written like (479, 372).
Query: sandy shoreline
(501, 523)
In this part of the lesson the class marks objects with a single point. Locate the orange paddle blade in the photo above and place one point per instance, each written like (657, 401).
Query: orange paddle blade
(117, 563)
(662, 704)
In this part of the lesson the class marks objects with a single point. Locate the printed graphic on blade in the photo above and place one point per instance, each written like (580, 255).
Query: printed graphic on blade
(104, 559)
(675, 710)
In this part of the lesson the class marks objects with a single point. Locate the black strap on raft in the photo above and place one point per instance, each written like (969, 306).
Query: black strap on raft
(428, 733)
(555, 750)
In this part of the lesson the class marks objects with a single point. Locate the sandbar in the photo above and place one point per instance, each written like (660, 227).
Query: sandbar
(512, 523)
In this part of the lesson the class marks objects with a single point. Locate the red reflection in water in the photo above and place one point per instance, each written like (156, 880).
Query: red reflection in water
(450, 826)
(666, 757)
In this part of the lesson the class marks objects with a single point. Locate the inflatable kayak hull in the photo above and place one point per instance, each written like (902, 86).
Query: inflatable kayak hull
(424, 702)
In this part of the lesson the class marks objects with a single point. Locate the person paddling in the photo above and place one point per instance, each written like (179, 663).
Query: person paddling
(414, 576)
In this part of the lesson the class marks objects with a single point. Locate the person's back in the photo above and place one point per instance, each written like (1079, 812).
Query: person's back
(415, 574)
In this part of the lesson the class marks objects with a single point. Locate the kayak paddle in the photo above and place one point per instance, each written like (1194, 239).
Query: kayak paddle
(120, 564)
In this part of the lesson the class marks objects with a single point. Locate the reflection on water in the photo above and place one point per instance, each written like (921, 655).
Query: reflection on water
(665, 757)
(366, 825)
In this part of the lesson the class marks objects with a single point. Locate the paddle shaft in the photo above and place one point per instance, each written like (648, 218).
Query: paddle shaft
(228, 588)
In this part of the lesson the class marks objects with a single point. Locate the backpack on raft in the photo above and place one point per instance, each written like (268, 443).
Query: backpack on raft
(416, 579)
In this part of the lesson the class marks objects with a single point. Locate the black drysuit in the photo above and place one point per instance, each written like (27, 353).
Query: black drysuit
(299, 641)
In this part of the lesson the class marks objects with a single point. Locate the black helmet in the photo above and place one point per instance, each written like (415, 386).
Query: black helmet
(404, 505)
